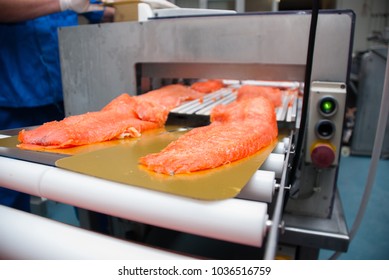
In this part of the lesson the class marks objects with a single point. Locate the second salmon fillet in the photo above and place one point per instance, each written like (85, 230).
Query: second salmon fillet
(238, 130)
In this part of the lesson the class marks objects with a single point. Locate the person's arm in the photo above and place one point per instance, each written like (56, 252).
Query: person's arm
(21, 10)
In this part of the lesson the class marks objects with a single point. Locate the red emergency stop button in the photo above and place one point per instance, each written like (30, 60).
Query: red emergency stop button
(322, 155)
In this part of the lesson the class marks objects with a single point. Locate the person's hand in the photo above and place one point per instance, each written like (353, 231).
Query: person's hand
(159, 4)
(78, 6)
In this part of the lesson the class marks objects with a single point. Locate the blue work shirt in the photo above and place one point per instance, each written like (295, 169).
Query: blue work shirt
(30, 77)
(30, 74)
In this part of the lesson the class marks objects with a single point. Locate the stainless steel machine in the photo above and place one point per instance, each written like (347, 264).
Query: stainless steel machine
(99, 62)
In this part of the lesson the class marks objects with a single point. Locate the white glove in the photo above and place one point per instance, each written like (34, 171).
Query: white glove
(78, 6)
(159, 4)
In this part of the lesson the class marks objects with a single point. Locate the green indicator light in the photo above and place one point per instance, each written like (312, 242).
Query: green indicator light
(327, 106)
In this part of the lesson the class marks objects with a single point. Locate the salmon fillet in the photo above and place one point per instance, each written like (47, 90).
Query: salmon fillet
(170, 96)
(238, 130)
(207, 86)
(258, 109)
(117, 120)
(272, 93)
(125, 116)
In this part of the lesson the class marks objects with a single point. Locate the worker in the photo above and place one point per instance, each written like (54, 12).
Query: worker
(30, 77)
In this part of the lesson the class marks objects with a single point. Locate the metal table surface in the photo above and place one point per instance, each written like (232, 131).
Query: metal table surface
(317, 233)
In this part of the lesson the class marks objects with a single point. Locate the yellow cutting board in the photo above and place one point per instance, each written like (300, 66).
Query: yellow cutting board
(119, 163)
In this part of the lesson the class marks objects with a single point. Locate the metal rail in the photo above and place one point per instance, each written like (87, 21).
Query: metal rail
(271, 245)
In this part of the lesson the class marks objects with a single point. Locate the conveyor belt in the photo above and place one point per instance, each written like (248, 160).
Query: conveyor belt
(242, 220)
(234, 220)
(244, 226)
(286, 114)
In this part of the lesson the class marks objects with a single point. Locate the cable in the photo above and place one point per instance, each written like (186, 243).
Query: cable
(376, 153)
(271, 244)
(307, 87)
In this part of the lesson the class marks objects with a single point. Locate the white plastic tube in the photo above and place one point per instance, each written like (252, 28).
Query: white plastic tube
(275, 163)
(234, 220)
(260, 187)
(21, 176)
(27, 236)
(280, 148)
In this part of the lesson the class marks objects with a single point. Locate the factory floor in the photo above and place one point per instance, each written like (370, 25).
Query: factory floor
(371, 241)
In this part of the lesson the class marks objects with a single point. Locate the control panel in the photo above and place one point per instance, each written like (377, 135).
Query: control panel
(325, 123)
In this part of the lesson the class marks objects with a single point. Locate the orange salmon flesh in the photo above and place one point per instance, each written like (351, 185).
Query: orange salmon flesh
(238, 130)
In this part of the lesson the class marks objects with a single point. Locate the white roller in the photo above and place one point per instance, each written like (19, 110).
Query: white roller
(234, 220)
(26, 236)
(275, 163)
(286, 142)
(260, 187)
(21, 176)
(280, 148)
